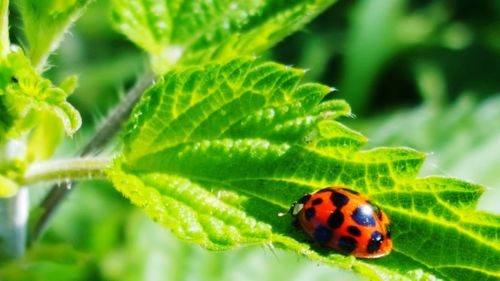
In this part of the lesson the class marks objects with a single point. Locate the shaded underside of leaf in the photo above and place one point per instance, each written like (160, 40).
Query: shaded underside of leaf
(219, 153)
(192, 31)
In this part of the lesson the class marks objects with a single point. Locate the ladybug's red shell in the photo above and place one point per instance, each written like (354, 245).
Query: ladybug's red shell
(344, 220)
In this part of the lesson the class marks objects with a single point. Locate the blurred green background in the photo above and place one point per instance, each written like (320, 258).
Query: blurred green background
(423, 74)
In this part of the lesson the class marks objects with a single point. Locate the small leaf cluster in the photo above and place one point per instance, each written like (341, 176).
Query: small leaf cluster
(25, 94)
(34, 112)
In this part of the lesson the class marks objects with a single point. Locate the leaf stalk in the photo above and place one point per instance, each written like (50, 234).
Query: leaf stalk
(66, 170)
(104, 134)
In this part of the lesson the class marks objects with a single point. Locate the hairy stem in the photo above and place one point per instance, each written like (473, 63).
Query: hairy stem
(66, 170)
(111, 126)
(113, 122)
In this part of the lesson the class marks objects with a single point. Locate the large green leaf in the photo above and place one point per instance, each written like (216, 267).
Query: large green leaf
(217, 153)
(188, 32)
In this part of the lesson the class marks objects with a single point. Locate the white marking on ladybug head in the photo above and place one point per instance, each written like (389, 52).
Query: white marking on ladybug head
(297, 207)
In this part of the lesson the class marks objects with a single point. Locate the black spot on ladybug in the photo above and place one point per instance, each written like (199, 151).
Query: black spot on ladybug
(322, 234)
(339, 199)
(336, 219)
(317, 201)
(354, 231)
(351, 191)
(363, 215)
(310, 213)
(375, 242)
(347, 244)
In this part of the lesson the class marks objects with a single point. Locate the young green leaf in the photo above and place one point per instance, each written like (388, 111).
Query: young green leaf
(190, 32)
(216, 153)
(45, 22)
(24, 95)
(45, 137)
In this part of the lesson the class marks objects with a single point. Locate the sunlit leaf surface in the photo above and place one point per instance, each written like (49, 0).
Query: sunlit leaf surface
(217, 153)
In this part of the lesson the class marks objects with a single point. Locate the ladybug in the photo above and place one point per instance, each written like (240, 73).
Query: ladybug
(344, 220)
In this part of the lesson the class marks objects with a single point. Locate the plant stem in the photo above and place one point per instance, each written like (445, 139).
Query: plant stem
(113, 122)
(13, 218)
(66, 170)
(111, 126)
(13, 210)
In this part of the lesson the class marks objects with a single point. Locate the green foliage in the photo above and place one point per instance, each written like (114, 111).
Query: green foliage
(48, 262)
(29, 101)
(415, 128)
(45, 22)
(240, 88)
(216, 153)
(171, 259)
(190, 32)
(468, 125)
(45, 137)
(24, 95)
(129, 246)
(8, 187)
(4, 27)
(363, 66)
